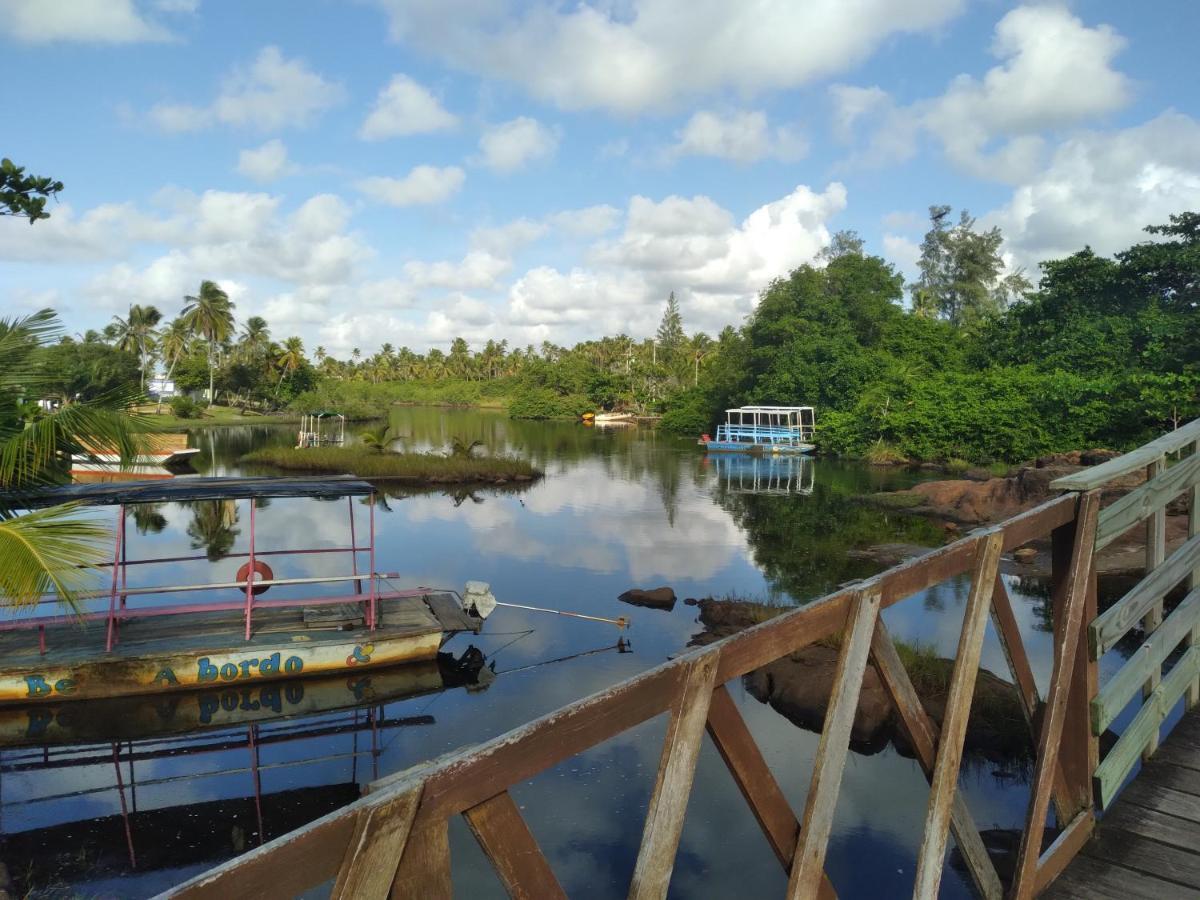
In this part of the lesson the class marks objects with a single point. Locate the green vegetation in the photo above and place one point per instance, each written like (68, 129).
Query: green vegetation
(183, 407)
(430, 468)
(25, 196)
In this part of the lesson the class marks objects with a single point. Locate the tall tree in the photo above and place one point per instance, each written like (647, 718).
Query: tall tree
(255, 339)
(136, 334)
(670, 330)
(290, 358)
(209, 315)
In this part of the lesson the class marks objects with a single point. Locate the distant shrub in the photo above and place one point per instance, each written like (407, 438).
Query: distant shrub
(185, 407)
(689, 413)
(543, 403)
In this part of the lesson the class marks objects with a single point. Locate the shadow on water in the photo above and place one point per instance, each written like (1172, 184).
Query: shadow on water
(617, 509)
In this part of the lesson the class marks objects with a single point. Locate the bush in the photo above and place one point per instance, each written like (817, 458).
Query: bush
(689, 413)
(184, 407)
(543, 403)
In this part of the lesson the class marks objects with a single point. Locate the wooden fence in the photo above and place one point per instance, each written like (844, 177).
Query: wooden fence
(395, 841)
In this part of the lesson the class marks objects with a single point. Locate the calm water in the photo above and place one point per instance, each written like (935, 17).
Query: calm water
(617, 509)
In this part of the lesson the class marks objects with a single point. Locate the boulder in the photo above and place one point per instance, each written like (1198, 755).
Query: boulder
(657, 598)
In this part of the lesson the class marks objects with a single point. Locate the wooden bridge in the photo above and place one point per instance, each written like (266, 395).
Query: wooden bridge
(395, 841)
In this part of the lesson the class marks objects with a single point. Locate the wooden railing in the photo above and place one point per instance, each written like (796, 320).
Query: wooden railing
(395, 840)
(1141, 676)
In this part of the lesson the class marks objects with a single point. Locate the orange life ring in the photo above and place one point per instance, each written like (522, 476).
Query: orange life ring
(262, 570)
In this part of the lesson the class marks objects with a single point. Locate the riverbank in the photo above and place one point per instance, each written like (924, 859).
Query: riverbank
(209, 417)
(417, 468)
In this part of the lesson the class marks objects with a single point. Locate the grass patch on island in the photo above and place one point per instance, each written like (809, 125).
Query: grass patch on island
(421, 468)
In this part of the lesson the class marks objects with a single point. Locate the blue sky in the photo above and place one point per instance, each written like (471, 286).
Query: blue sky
(385, 170)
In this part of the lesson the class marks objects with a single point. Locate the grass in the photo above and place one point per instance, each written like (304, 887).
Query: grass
(217, 415)
(884, 454)
(426, 468)
(956, 466)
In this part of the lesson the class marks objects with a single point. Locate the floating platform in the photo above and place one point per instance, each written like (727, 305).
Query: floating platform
(208, 649)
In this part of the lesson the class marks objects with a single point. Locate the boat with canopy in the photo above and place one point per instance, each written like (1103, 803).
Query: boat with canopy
(764, 429)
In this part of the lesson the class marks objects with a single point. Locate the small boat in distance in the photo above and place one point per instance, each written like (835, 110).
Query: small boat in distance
(764, 429)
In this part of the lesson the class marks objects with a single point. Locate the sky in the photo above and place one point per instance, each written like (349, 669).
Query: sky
(409, 171)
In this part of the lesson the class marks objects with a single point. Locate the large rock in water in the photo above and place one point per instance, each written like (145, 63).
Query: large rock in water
(658, 598)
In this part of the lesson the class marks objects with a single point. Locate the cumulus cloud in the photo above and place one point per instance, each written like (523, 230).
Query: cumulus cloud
(273, 92)
(513, 144)
(423, 185)
(506, 239)
(649, 54)
(405, 107)
(1055, 72)
(742, 136)
(478, 269)
(1102, 188)
(265, 163)
(85, 21)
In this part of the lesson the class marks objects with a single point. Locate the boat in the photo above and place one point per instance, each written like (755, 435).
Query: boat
(763, 429)
(160, 456)
(130, 640)
(614, 418)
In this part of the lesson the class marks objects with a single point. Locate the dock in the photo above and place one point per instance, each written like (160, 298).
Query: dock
(1148, 843)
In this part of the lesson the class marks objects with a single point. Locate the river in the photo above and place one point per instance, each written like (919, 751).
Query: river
(617, 509)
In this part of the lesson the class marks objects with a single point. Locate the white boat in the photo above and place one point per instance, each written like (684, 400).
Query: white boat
(161, 451)
(764, 429)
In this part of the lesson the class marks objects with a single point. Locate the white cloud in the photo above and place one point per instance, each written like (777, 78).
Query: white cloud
(903, 252)
(588, 222)
(650, 54)
(742, 136)
(478, 269)
(423, 185)
(511, 145)
(265, 163)
(86, 21)
(1055, 72)
(1102, 188)
(504, 240)
(272, 93)
(591, 221)
(405, 107)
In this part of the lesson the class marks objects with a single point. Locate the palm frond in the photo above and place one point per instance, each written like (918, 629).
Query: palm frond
(19, 338)
(50, 551)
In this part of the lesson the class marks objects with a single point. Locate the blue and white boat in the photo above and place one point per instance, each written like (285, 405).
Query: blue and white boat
(764, 429)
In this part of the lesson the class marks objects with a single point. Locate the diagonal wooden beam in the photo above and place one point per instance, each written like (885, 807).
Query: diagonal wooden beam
(808, 863)
(1067, 640)
(514, 852)
(1009, 633)
(755, 780)
(673, 786)
(923, 733)
(376, 845)
(425, 866)
(944, 782)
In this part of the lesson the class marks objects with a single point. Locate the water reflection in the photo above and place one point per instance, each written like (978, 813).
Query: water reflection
(617, 509)
(746, 473)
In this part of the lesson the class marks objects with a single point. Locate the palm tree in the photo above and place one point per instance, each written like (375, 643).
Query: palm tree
(379, 438)
(290, 358)
(136, 334)
(255, 339)
(209, 315)
(51, 550)
(173, 345)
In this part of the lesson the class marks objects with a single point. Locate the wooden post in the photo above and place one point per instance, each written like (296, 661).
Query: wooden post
(673, 786)
(1066, 644)
(1192, 697)
(944, 784)
(808, 863)
(1156, 551)
(923, 734)
(376, 845)
(502, 833)
(425, 866)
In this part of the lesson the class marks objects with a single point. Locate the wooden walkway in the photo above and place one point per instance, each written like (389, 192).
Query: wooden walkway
(1148, 843)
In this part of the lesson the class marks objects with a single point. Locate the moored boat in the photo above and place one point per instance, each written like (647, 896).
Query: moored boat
(160, 453)
(764, 429)
(147, 642)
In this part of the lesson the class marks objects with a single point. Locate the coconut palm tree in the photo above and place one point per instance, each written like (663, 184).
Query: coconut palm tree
(136, 334)
(173, 345)
(209, 315)
(255, 339)
(290, 358)
(55, 549)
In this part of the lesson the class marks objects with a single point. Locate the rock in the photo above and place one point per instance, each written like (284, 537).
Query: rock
(1097, 456)
(1025, 554)
(658, 598)
(690, 601)
(977, 474)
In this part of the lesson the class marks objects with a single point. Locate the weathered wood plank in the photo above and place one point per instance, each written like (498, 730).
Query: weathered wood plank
(755, 780)
(373, 853)
(1095, 880)
(1193, 692)
(1009, 635)
(1124, 685)
(1116, 621)
(1096, 476)
(944, 784)
(1055, 858)
(1146, 499)
(1177, 778)
(1067, 640)
(922, 732)
(1156, 542)
(1153, 824)
(425, 866)
(673, 786)
(1166, 800)
(512, 849)
(1133, 851)
(1126, 752)
(808, 864)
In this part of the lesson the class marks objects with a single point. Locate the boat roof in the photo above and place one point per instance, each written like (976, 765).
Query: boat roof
(767, 409)
(183, 489)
